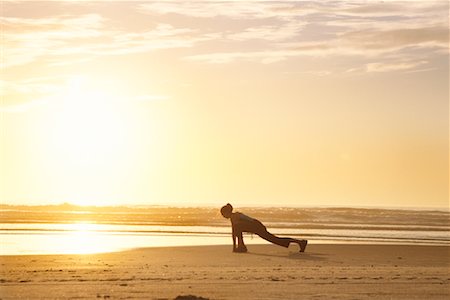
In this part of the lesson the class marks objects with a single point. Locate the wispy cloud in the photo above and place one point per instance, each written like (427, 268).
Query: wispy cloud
(371, 42)
(212, 9)
(265, 57)
(56, 39)
(275, 33)
(31, 86)
(366, 43)
(163, 36)
(436, 36)
(27, 39)
(310, 29)
(261, 32)
(22, 95)
(363, 43)
(393, 66)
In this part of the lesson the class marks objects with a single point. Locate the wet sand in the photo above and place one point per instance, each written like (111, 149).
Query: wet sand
(214, 272)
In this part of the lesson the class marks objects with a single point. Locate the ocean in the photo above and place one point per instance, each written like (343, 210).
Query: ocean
(68, 229)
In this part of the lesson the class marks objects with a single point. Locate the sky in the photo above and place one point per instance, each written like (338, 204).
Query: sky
(306, 103)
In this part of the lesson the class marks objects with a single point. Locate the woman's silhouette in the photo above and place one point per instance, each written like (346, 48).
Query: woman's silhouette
(241, 223)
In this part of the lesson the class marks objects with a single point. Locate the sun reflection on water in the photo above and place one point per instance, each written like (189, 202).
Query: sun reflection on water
(84, 238)
(90, 238)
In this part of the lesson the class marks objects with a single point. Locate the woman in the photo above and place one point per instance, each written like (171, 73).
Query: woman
(241, 223)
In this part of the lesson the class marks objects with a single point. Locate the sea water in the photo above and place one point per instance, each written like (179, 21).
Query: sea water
(75, 230)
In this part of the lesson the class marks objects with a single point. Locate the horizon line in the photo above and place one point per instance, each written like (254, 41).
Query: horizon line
(428, 208)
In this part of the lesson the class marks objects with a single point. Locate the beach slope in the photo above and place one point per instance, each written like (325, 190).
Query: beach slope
(214, 272)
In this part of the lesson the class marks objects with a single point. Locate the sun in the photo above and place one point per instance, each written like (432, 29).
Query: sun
(90, 137)
(91, 126)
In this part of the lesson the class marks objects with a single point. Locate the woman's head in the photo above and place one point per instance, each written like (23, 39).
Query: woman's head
(226, 211)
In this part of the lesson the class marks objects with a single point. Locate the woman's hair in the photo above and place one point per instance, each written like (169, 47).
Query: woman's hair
(226, 210)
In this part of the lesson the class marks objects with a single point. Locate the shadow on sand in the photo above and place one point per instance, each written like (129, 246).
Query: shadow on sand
(294, 255)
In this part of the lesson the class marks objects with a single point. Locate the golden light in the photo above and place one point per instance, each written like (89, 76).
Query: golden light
(90, 127)
(83, 239)
(90, 139)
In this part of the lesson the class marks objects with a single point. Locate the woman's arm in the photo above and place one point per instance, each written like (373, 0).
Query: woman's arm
(233, 220)
(233, 234)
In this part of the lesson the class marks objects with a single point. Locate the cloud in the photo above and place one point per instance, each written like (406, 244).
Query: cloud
(367, 30)
(397, 38)
(251, 10)
(31, 86)
(404, 9)
(63, 26)
(265, 57)
(364, 43)
(370, 42)
(27, 39)
(274, 33)
(84, 37)
(212, 9)
(263, 32)
(163, 36)
(284, 23)
(22, 95)
(393, 66)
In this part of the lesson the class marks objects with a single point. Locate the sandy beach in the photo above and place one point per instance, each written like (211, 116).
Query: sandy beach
(214, 272)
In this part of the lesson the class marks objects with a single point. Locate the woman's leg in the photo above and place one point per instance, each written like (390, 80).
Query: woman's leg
(281, 241)
(284, 242)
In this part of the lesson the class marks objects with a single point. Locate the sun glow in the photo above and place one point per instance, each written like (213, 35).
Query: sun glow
(84, 239)
(90, 126)
(90, 137)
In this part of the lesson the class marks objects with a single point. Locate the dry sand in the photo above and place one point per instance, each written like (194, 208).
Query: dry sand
(214, 272)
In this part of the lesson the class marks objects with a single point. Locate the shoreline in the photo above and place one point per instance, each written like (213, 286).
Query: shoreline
(251, 243)
(341, 271)
(97, 244)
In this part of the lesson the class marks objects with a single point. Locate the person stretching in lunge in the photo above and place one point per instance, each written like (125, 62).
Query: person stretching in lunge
(241, 223)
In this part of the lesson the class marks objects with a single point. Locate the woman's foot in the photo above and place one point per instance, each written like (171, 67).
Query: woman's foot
(240, 249)
(302, 245)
